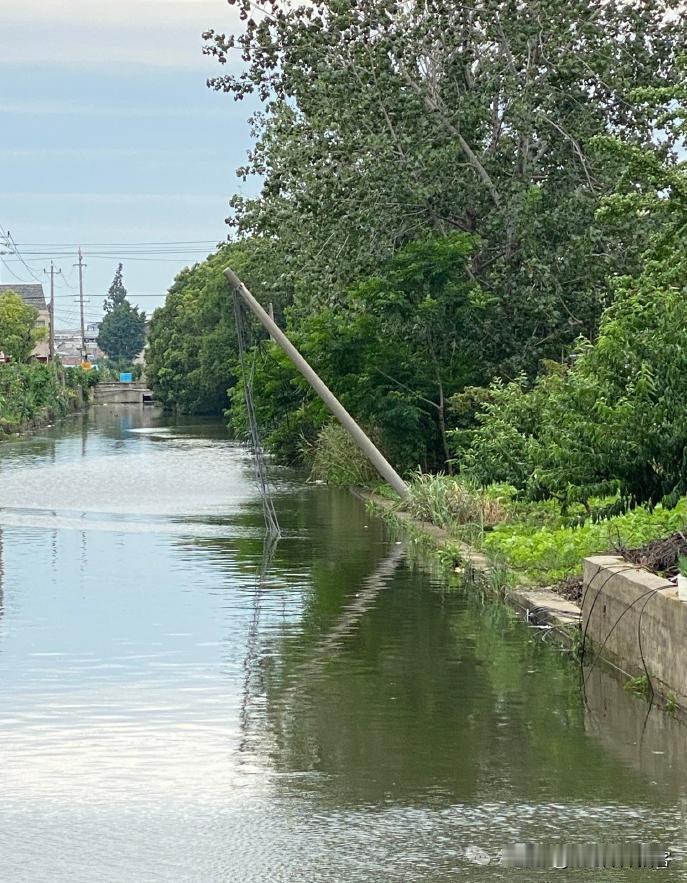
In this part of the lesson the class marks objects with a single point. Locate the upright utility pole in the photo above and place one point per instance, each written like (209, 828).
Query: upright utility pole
(51, 333)
(373, 454)
(81, 265)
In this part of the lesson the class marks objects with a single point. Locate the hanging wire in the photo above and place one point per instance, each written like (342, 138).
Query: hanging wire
(271, 521)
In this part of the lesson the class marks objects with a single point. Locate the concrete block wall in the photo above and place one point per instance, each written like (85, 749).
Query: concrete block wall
(633, 618)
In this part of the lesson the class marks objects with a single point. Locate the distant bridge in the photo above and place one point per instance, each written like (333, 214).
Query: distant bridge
(122, 394)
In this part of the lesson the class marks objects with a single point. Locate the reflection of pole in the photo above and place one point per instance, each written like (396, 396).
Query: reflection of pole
(373, 454)
(331, 643)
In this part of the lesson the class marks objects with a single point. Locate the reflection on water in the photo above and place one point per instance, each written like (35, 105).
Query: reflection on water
(175, 710)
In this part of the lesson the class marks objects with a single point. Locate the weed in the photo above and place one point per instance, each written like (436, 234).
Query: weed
(671, 705)
(640, 686)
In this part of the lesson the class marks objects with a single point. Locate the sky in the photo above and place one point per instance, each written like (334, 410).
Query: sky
(110, 140)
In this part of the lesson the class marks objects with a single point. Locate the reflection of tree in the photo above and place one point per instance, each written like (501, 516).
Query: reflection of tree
(438, 693)
(394, 694)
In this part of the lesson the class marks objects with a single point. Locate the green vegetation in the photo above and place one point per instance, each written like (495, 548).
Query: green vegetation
(548, 554)
(639, 685)
(192, 350)
(122, 332)
(18, 331)
(482, 255)
(453, 504)
(534, 541)
(337, 460)
(34, 394)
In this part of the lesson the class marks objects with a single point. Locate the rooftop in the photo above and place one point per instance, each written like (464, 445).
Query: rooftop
(30, 294)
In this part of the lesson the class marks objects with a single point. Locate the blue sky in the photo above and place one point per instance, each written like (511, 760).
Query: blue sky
(109, 136)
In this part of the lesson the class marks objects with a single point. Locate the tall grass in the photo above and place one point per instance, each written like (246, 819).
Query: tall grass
(336, 459)
(451, 503)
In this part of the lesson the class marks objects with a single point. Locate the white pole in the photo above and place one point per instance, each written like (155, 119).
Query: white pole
(373, 454)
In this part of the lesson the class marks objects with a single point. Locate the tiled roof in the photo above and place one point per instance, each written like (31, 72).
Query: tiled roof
(30, 294)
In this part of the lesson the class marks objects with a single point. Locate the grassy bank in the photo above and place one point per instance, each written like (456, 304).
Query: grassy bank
(32, 395)
(538, 544)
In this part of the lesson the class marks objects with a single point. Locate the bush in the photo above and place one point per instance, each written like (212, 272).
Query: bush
(36, 392)
(449, 503)
(549, 554)
(337, 460)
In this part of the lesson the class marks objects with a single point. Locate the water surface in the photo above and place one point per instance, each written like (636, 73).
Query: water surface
(168, 715)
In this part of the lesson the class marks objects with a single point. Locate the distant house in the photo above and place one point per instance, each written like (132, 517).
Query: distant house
(34, 296)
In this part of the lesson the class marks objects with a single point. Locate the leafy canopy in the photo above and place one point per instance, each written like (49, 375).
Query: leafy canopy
(18, 331)
(122, 331)
(385, 121)
(615, 419)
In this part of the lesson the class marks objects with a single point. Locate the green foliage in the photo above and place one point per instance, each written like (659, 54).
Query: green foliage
(35, 393)
(479, 117)
(337, 460)
(639, 685)
(116, 294)
(192, 349)
(448, 503)
(682, 564)
(549, 554)
(18, 332)
(613, 418)
(402, 342)
(122, 331)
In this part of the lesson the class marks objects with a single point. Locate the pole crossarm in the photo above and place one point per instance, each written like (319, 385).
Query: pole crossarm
(373, 454)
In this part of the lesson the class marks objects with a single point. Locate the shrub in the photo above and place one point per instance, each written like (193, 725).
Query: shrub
(548, 554)
(336, 458)
(449, 503)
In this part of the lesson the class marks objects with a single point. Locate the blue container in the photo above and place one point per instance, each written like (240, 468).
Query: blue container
(126, 378)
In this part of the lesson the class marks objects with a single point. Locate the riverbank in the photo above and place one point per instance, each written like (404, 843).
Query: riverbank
(35, 395)
(540, 606)
(628, 619)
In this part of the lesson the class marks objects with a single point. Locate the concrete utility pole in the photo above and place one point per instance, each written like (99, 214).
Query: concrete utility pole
(51, 336)
(81, 265)
(373, 454)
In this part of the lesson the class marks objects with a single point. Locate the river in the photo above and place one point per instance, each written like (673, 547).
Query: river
(169, 714)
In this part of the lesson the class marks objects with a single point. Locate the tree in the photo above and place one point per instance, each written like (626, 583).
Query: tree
(394, 351)
(122, 331)
(192, 348)
(477, 117)
(613, 420)
(116, 294)
(18, 332)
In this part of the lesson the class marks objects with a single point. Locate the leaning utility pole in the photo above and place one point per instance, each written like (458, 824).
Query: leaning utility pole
(81, 265)
(373, 454)
(51, 332)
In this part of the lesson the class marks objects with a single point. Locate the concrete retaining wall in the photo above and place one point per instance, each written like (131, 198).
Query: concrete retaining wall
(634, 619)
(121, 394)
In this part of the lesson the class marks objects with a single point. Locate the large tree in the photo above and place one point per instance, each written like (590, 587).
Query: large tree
(18, 331)
(122, 331)
(192, 348)
(384, 121)
(116, 293)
